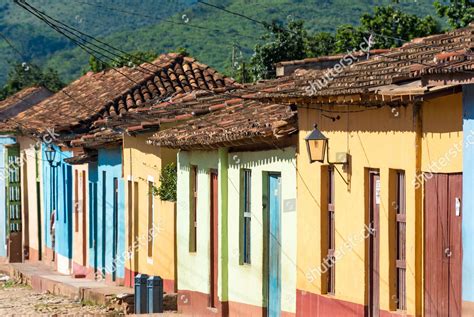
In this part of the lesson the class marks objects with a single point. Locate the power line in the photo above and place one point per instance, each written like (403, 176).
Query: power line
(160, 19)
(12, 46)
(44, 107)
(265, 24)
(62, 28)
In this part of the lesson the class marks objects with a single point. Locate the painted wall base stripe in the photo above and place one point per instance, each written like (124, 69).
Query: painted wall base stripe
(191, 303)
(312, 305)
(168, 285)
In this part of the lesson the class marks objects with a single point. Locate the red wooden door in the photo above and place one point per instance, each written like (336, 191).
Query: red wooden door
(374, 244)
(443, 245)
(213, 298)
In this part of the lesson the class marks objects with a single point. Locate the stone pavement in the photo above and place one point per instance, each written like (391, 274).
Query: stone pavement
(42, 278)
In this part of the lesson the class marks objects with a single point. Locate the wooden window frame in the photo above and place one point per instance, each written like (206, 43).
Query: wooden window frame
(400, 263)
(151, 216)
(331, 239)
(76, 202)
(193, 193)
(245, 217)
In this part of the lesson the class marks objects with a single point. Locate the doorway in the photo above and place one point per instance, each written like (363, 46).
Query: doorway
(214, 216)
(374, 244)
(443, 245)
(14, 221)
(273, 238)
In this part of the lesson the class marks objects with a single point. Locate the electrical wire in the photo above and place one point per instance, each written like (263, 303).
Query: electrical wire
(84, 47)
(160, 19)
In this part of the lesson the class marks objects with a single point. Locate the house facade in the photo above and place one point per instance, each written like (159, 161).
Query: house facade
(236, 209)
(380, 215)
(18, 160)
(151, 221)
(149, 235)
(57, 207)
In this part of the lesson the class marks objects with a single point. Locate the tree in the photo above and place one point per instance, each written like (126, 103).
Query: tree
(137, 58)
(458, 12)
(168, 179)
(347, 38)
(282, 44)
(320, 44)
(392, 26)
(24, 75)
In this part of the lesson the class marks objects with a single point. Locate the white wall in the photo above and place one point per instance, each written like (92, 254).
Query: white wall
(193, 268)
(245, 281)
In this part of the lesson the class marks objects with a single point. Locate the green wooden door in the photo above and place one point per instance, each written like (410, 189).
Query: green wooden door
(14, 225)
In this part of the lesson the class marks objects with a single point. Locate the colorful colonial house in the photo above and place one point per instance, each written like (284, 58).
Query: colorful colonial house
(140, 224)
(68, 180)
(236, 208)
(150, 221)
(382, 225)
(20, 237)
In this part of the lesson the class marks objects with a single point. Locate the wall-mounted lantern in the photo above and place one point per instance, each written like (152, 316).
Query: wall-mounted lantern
(50, 153)
(316, 145)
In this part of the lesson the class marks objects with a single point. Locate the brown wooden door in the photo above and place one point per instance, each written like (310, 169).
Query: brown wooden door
(374, 244)
(213, 298)
(443, 245)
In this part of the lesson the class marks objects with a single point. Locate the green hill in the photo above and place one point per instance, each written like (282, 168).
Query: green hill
(162, 26)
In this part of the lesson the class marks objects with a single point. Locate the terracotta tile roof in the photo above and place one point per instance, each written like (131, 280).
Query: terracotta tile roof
(287, 68)
(17, 103)
(149, 119)
(114, 92)
(444, 53)
(238, 122)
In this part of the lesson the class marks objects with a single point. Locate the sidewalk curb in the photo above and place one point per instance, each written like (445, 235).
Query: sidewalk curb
(103, 295)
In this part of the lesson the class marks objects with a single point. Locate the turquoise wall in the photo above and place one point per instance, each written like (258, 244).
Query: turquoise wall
(108, 215)
(57, 193)
(468, 197)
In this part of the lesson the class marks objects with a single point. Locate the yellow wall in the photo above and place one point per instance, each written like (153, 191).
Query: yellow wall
(141, 163)
(375, 139)
(442, 135)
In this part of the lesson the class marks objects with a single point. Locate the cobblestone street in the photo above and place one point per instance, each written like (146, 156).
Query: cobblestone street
(20, 300)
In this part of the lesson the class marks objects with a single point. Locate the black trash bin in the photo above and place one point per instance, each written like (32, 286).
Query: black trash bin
(141, 294)
(155, 294)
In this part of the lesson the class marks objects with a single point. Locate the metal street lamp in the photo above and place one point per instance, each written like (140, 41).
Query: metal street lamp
(50, 153)
(317, 145)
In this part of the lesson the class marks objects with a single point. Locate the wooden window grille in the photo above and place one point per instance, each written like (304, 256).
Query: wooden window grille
(193, 209)
(401, 241)
(150, 232)
(246, 215)
(331, 272)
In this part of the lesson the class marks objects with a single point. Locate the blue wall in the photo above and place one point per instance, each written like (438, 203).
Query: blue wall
(57, 191)
(3, 214)
(468, 195)
(93, 185)
(103, 175)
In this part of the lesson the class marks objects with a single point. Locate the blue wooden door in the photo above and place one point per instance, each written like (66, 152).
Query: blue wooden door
(274, 261)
